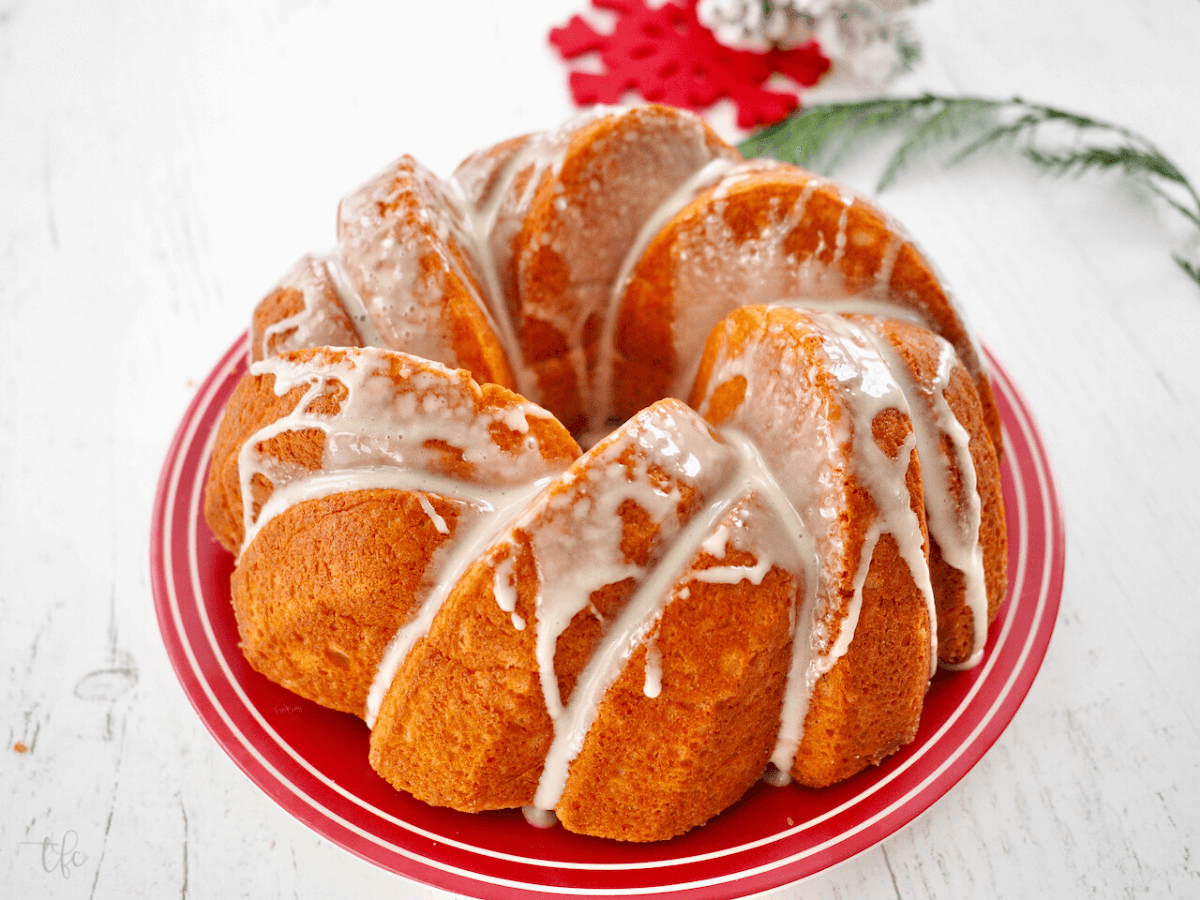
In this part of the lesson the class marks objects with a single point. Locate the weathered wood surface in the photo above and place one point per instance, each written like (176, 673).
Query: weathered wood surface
(161, 164)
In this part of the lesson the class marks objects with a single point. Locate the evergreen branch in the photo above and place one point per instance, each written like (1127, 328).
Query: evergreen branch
(1192, 269)
(1194, 217)
(1069, 118)
(812, 141)
(867, 121)
(802, 138)
(945, 124)
(1131, 159)
(968, 125)
(1008, 130)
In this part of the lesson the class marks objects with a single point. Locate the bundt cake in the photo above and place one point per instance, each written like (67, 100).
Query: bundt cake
(758, 581)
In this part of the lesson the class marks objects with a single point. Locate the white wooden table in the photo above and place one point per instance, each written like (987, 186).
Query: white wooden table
(161, 164)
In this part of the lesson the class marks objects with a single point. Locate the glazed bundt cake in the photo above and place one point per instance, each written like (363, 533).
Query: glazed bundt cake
(758, 581)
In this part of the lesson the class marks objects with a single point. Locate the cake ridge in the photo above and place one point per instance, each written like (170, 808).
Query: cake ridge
(635, 461)
(956, 535)
(872, 378)
(845, 350)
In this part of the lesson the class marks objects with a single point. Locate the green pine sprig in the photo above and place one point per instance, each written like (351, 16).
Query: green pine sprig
(1055, 141)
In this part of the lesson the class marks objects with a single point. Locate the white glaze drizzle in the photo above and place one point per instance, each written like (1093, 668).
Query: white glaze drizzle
(319, 484)
(378, 437)
(803, 441)
(652, 686)
(316, 323)
(504, 589)
(352, 303)
(725, 516)
(628, 631)
(576, 534)
(859, 304)
(796, 550)
(871, 388)
(438, 522)
(539, 818)
(479, 238)
(490, 235)
(953, 522)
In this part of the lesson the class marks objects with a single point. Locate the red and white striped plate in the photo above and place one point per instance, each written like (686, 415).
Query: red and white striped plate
(313, 762)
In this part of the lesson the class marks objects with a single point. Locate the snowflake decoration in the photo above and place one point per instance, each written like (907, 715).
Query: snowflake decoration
(668, 56)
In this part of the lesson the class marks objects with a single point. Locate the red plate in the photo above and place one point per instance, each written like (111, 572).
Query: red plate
(313, 762)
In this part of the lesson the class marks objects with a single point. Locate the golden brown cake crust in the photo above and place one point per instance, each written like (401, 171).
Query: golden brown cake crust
(321, 591)
(326, 583)
(653, 768)
(770, 233)
(583, 216)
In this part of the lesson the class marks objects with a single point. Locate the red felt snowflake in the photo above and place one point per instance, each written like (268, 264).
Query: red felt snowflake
(667, 56)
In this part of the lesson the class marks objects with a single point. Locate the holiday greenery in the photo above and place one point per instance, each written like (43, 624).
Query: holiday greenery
(1055, 141)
